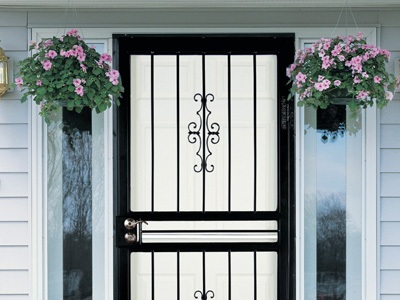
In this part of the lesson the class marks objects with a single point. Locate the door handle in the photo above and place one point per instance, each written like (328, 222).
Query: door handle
(130, 223)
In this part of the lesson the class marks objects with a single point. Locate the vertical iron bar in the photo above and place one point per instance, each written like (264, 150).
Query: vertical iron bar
(178, 275)
(204, 129)
(177, 133)
(255, 127)
(152, 128)
(229, 276)
(229, 134)
(255, 275)
(204, 273)
(152, 276)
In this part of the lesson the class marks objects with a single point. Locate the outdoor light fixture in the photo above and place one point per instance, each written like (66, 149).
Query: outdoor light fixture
(4, 86)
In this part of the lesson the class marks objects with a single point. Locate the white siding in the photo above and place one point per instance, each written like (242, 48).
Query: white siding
(390, 191)
(14, 171)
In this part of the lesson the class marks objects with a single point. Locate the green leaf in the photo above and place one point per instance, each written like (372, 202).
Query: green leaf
(41, 91)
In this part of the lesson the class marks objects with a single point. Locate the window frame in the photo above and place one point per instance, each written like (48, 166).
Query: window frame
(369, 185)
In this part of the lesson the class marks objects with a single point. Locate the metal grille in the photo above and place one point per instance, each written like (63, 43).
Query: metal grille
(135, 231)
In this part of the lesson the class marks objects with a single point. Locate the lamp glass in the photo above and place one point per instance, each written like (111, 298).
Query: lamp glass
(3, 72)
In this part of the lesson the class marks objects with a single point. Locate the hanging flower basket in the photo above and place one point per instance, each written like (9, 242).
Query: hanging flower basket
(67, 72)
(344, 68)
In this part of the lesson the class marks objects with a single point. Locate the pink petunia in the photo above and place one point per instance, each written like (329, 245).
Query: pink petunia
(83, 68)
(39, 82)
(319, 86)
(362, 95)
(81, 57)
(337, 82)
(326, 83)
(79, 90)
(76, 82)
(51, 54)
(300, 77)
(72, 32)
(389, 95)
(356, 79)
(19, 81)
(47, 65)
(105, 57)
(377, 79)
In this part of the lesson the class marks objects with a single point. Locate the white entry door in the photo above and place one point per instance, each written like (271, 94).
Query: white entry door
(203, 215)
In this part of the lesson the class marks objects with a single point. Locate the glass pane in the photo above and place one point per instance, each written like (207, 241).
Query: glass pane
(163, 175)
(333, 203)
(236, 276)
(75, 197)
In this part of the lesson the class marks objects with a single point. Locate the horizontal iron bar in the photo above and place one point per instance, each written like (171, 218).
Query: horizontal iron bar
(204, 216)
(209, 231)
(207, 247)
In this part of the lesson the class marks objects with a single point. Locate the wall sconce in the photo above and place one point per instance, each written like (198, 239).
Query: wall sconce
(4, 83)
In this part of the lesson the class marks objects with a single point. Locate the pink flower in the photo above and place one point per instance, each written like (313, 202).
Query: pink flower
(336, 50)
(319, 86)
(38, 82)
(47, 43)
(76, 82)
(337, 82)
(51, 54)
(47, 65)
(105, 57)
(341, 57)
(385, 53)
(290, 70)
(356, 79)
(114, 74)
(359, 36)
(78, 49)
(362, 95)
(72, 32)
(19, 81)
(72, 52)
(326, 83)
(81, 57)
(320, 78)
(364, 74)
(389, 95)
(300, 77)
(83, 68)
(79, 90)
(377, 79)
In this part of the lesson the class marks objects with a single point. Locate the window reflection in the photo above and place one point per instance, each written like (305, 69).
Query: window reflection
(70, 206)
(333, 202)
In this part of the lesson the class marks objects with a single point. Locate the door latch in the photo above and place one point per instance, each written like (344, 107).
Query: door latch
(130, 224)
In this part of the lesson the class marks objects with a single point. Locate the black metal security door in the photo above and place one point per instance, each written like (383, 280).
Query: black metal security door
(192, 222)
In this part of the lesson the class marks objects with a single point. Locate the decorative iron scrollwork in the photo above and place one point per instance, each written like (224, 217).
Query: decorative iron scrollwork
(204, 133)
(203, 295)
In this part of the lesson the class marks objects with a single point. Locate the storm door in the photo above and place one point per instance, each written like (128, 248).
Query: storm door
(204, 168)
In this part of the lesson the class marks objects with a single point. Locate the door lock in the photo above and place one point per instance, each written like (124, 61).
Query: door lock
(130, 237)
(130, 223)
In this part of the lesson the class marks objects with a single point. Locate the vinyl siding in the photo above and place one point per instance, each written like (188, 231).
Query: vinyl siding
(389, 202)
(14, 171)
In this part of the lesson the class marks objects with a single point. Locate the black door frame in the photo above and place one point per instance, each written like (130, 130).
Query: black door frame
(281, 45)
